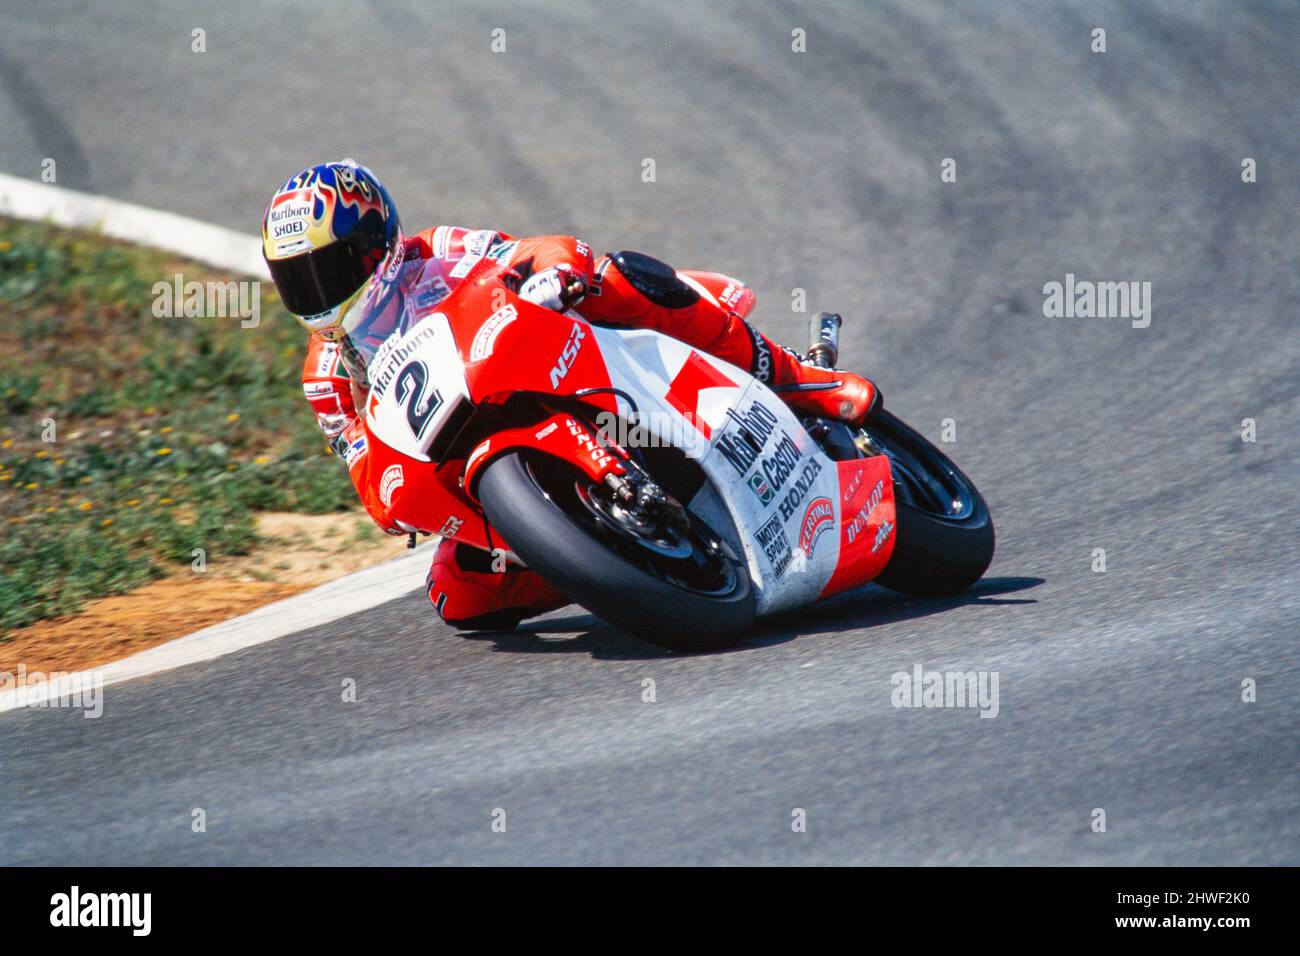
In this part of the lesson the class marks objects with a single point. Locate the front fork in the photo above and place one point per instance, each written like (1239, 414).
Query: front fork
(636, 496)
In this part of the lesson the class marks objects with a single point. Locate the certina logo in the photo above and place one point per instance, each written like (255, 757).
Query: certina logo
(799, 490)
(568, 356)
(486, 337)
(74, 908)
(819, 517)
(389, 482)
(741, 445)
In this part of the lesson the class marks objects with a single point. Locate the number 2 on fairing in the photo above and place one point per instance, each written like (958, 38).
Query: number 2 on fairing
(412, 384)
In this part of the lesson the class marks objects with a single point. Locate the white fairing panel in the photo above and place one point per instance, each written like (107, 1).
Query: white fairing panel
(763, 467)
(415, 380)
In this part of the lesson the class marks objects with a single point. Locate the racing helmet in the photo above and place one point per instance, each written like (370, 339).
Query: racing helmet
(325, 233)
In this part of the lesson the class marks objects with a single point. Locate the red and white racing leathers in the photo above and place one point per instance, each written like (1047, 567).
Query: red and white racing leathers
(625, 289)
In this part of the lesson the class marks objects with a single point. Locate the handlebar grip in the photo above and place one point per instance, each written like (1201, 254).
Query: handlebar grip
(824, 349)
(574, 290)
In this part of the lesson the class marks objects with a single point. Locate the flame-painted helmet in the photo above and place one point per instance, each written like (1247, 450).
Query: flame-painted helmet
(325, 233)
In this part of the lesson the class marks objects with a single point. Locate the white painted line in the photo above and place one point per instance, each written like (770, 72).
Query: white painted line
(355, 592)
(222, 248)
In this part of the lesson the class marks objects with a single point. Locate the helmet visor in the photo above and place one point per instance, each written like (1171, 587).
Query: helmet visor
(317, 281)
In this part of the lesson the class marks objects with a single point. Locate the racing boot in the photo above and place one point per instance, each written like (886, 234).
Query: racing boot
(470, 596)
(815, 391)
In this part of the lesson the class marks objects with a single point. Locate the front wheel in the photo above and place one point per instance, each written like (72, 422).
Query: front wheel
(673, 583)
(944, 540)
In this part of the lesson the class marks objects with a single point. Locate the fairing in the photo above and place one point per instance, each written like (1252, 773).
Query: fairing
(808, 526)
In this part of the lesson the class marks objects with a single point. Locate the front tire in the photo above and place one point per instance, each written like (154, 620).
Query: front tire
(693, 605)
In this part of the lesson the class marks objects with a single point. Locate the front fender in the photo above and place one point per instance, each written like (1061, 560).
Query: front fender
(560, 436)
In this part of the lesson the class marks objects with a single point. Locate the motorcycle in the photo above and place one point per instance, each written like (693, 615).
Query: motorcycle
(670, 493)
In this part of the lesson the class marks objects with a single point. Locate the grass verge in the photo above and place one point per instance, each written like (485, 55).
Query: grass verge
(131, 443)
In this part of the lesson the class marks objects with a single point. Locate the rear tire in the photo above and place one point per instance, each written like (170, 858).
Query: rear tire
(934, 553)
(539, 529)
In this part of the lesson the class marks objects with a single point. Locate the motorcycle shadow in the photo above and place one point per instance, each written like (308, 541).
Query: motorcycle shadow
(867, 607)
(875, 606)
(579, 633)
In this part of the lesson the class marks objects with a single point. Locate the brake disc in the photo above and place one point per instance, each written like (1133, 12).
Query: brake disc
(645, 530)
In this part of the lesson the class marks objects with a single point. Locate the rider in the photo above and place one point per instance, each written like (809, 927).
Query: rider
(331, 232)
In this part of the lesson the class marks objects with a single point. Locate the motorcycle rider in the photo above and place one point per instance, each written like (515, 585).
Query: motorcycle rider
(331, 231)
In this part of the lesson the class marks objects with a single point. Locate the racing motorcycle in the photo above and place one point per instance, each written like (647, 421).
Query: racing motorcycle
(668, 492)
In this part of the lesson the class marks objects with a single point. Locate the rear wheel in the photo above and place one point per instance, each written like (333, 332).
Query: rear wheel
(648, 567)
(944, 540)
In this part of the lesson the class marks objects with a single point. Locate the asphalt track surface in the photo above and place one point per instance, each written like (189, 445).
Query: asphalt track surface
(1118, 690)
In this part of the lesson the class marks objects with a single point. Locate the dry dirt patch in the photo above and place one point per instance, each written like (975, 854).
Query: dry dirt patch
(301, 551)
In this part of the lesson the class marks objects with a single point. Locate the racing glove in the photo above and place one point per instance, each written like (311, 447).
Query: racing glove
(557, 288)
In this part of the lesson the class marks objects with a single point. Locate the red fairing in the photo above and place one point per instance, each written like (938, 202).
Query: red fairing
(416, 494)
(867, 522)
(510, 345)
